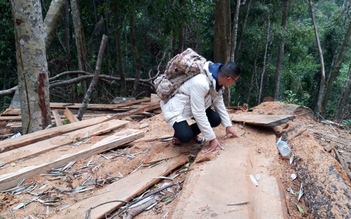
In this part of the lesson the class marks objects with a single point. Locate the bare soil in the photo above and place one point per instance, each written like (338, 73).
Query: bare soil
(317, 148)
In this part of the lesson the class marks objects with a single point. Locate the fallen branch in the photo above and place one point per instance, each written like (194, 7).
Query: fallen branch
(134, 211)
(8, 92)
(84, 106)
(145, 82)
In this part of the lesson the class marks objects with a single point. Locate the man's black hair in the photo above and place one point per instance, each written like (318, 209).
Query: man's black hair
(230, 69)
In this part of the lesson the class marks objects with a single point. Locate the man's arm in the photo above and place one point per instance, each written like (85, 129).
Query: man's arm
(198, 109)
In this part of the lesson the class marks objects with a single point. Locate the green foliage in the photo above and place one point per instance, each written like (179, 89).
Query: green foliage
(292, 98)
(7, 47)
(347, 123)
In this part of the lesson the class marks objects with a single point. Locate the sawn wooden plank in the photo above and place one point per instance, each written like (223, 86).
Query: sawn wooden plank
(97, 106)
(57, 117)
(125, 190)
(211, 186)
(70, 116)
(11, 179)
(13, 143)
(141, 109)
(262, 120)
(52, 143)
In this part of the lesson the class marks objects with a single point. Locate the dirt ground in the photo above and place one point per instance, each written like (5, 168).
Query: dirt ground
(317, 148)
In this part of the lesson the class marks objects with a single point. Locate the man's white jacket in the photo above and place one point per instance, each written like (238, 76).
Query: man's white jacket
(193, 98)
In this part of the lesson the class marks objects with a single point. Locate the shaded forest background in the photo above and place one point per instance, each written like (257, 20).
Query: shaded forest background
(144, 35)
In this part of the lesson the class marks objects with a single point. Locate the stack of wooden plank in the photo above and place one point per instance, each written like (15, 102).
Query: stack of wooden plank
(24, 158)
(10, 119)
(28, 146)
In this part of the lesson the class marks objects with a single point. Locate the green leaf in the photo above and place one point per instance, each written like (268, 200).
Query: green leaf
(300, 209)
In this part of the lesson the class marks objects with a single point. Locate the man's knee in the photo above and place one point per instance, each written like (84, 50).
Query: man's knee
(215, 121)
(185, 137)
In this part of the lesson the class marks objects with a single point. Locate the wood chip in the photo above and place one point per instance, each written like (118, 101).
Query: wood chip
(254, 181)
(238, 203)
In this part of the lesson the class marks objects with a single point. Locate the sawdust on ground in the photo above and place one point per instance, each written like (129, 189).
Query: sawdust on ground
(313, 165)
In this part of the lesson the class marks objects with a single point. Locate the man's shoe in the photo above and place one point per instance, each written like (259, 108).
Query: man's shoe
(198, 140)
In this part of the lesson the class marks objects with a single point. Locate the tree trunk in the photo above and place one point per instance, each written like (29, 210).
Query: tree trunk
(281, 50)
(339, 112)
(322, 82)
(264, 60)
(336, 69)
(80, 40)
(181, 31)
(32, 66)
(181, 40)
(235, 31)
(84, 106)
(52, 19)
(253, 76)
(67, 32)
(222, 31)
(98, 29)
(244, 27)
(123, 91)
(222, 37)
(136, 54)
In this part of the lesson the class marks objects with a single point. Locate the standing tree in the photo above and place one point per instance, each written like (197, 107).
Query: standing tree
(281, 49)
(263, 74)
(135, 50)
(123, 84)
(320, 52)
(235, 31)
(336, 69)
(32, 67)
(52, 19)
(80, 40)
(222, 36)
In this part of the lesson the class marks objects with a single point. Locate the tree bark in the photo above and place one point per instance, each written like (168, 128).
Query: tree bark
(136, 54)
(281, 50)
(253, 76)
(32, 66)
(235, 31)
(67, 32)
(79, 35)
(336, 69)
(123, 91)
(222, 31)
(84, 106)
(80, 42)
(244, 27)
(181, 31)
(264, 60)
(52, 19)
(222, 37)
(322, 82)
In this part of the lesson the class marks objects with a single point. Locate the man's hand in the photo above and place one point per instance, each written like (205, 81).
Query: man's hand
(213, 145)
(230, 131)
